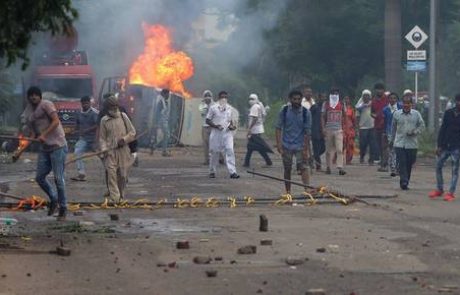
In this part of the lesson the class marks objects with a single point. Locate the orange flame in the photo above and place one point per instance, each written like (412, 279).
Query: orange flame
(22, 142)
(160, 66)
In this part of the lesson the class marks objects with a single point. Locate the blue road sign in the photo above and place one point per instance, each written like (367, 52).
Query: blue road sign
(416, 66)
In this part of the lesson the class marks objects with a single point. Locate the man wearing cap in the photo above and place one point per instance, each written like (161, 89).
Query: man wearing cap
(204, 106)
(407, 125)
(255, 130)
(366, 127)
(448, 147)
(222, 119)
(115, 132)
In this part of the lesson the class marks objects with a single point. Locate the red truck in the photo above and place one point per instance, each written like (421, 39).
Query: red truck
(64, 76)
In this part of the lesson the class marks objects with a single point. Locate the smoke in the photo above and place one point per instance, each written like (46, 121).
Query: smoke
(218, 34)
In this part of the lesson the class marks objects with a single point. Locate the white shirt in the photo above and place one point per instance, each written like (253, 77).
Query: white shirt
(306, 104)
(220, 115)
(255, 113)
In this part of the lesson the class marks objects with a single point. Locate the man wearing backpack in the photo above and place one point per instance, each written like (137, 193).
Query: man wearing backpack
(255, 130)
(293, 137)
(333, 119)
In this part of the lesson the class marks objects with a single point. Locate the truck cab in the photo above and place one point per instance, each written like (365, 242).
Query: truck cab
(64, 76)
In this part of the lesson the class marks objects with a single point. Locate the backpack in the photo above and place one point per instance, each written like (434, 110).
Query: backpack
(304, 114)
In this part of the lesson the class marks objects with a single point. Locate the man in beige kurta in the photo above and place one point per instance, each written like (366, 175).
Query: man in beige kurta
(116, 131)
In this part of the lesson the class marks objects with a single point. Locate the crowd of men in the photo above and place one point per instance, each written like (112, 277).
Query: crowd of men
(386, 127)
(306, 128)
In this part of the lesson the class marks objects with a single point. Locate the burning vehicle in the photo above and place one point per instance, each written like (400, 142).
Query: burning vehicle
(158, 67)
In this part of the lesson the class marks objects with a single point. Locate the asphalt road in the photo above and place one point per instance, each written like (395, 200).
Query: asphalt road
(403, 245)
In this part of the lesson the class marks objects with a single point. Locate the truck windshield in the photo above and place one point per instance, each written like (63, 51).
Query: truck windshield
(66, 88)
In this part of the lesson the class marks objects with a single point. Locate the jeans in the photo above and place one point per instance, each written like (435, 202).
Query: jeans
(367, 139)
(53, 161)
(406, 159)
(82, 146)
(455, 156)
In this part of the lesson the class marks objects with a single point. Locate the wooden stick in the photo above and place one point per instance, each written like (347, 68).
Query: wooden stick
(19, 138)
(17, 154)
(11, 196)
(281, 179)
(90, 155)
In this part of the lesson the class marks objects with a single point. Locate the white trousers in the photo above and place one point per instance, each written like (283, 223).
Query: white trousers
(221, 141)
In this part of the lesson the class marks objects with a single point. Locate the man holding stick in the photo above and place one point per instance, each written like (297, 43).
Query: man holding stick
(41, 119)
(293, 136)
(115, 132)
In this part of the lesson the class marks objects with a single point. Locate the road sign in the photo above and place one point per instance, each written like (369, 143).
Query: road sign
(416, 54)
(416, 37)
(416, 66)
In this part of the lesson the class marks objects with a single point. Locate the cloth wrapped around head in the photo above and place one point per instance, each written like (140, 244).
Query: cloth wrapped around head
(111, 104)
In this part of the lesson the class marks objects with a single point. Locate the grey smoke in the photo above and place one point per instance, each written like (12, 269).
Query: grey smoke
(110, 31)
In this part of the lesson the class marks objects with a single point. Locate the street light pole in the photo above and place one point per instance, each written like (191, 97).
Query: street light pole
(432, 69)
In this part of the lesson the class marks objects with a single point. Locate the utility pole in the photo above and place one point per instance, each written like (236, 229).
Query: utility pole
(432, 70)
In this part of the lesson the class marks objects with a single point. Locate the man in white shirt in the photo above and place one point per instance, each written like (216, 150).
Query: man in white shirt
(220, 118)
(255, 131)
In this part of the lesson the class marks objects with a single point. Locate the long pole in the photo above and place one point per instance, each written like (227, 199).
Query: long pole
(432, 74)
(416, 86)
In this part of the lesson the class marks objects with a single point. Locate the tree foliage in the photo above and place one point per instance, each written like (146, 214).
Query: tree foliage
(19, 19)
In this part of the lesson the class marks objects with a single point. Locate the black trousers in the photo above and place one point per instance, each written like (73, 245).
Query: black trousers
(257, 143)
(406, 159)
(319, 147)
(367, 139)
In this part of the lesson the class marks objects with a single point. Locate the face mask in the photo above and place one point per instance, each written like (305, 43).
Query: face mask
(333, 96)
(223, 102)
(252, 102)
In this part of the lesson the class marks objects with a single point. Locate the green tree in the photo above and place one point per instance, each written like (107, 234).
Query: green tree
(19, 19)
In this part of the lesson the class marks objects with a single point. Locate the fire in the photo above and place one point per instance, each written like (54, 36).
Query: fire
(160, 65)
(22, 142)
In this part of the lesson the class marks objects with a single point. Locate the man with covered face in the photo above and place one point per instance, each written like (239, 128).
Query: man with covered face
(333, 120)
(222, 119)
(115, 132)
(257, 115)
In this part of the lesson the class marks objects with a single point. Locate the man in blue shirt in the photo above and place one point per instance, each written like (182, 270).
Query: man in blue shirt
(388, 111)
(293, 137)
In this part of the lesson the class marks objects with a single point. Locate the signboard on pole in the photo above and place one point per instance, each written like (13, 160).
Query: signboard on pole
(416, 55)
(416, 37)
(416, 66)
